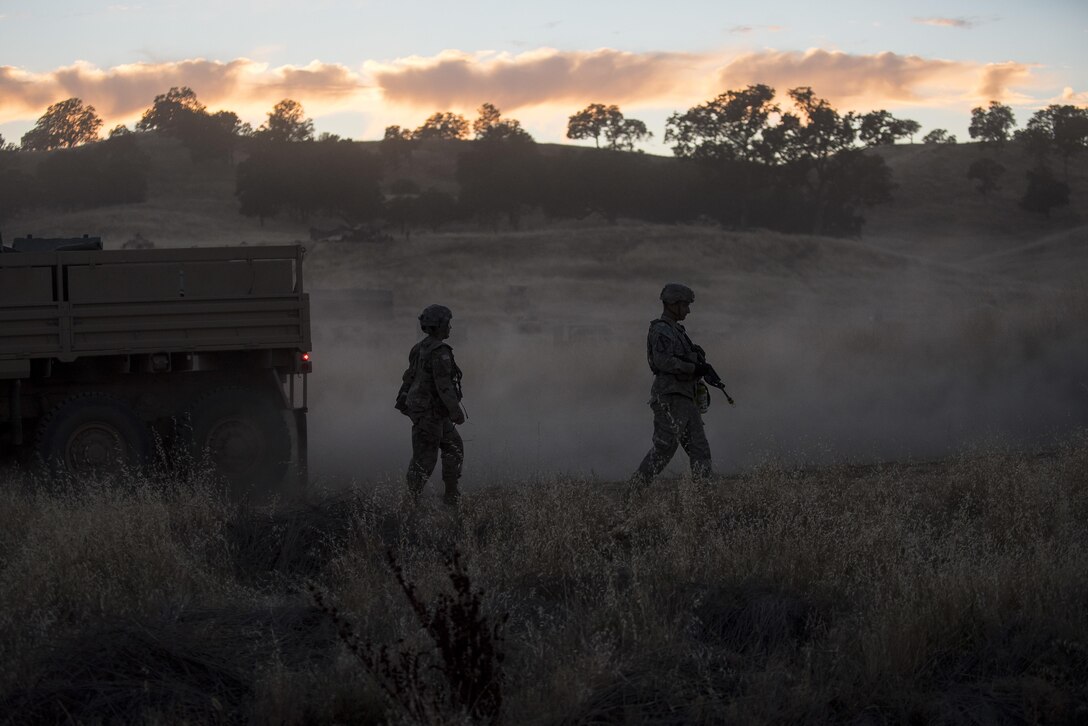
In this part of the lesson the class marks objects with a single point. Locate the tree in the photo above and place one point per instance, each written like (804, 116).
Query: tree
(443, 125)
(286, 124)
(170, 108)
(16, 186)
(590, 122)
(597, 120)
(396, 145)
(490, 126)
(210, 137)
(908, 127)
(992, 125)
(335, 178)
(110, 172)
(986, 172)
(729, 137)
(939, 136)
(119, 130)
(1060, 128)
(63, 125)
(1044, 192)
(880, 128)
(624, 134)
(499, 175)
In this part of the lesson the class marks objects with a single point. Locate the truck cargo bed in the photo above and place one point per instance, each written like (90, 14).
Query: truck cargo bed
(66, 305)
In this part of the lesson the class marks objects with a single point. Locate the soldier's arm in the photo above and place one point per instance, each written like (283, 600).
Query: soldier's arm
(663, 345)
(406, 380)
(442, 368)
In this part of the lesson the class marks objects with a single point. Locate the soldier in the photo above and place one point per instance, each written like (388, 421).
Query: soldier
(677, 365)
(431, 396)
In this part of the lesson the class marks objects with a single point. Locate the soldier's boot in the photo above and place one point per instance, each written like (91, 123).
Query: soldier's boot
(452, 495)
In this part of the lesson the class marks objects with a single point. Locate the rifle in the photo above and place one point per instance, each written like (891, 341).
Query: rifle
(711, 376)
(713, 379)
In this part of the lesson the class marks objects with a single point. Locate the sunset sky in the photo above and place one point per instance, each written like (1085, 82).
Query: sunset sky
(358, 66)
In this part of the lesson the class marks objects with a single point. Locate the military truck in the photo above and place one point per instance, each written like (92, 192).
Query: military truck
(108, 357)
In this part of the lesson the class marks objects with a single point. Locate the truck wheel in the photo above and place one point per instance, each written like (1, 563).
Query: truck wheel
(90, 434)
(244, 434)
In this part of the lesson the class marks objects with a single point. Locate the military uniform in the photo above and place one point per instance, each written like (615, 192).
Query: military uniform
(677, 419)
(430, 395)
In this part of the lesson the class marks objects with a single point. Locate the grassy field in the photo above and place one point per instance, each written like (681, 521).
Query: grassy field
(948, 591)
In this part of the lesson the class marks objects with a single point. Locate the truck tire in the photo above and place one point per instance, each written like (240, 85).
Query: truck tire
(244, 434)
(91, 434)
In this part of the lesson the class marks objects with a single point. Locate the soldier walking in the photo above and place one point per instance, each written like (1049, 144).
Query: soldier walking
(431, 396)
(675, 397)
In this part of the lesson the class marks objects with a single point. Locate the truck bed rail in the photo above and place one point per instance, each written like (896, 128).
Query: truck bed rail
(65, 305)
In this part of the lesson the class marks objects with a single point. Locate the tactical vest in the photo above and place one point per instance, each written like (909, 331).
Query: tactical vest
(423, 393)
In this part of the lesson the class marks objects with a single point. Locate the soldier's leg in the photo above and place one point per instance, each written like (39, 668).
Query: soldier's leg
(693, 438)
(453, 456)
(665, 440)
(426, 437)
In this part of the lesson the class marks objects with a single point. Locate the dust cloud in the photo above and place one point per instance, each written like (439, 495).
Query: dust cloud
(829, 359)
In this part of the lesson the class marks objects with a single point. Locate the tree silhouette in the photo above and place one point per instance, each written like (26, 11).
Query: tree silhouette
(170, 108)
(985, 172)
(396, 145)
(589, 123)
(1044, 192)
(939, 136)
(443, 125)
(286, 123)
(880, 128)
(992, 125)
(499, 175)
(729, 136)
(63, 125)
(597, 120)
(490, 126)
(731, 126)
(1059, 128)
(623, 136)
(802, 173)
(336, 178)
(17, 188)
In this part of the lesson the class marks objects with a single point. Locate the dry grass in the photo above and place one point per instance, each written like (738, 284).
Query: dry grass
(950, 591)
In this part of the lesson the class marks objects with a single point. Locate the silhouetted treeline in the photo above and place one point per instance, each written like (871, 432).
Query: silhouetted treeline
(336, 178)
(108, 172)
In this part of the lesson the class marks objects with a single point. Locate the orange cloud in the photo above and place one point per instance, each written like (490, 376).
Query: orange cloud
(1072, 98)
(462, 80)
(875, 80)
(123, 92)
(541, 84)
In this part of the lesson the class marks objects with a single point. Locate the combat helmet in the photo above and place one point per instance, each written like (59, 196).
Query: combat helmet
(674, 292)
(434, 316)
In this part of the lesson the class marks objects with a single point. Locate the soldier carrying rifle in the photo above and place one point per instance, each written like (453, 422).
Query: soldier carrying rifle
(679, 395)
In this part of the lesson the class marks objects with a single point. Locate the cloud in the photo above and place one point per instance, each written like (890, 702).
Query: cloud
(877, 79)
(542, 85)
(1072, 98)
(125, 91)
(949, 22)
(455, 79)
(745, 29)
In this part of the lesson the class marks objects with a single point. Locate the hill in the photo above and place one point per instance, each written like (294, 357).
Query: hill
(952, 317)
